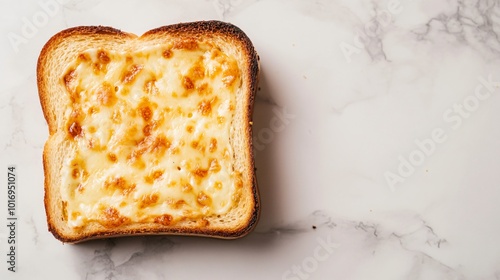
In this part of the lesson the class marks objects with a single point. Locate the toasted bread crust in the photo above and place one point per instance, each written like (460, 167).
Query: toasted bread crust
(205, 30)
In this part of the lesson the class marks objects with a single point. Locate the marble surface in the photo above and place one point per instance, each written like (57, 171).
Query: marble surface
(376, 138)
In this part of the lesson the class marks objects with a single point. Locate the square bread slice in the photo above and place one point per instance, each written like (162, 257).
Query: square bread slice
(149, 134)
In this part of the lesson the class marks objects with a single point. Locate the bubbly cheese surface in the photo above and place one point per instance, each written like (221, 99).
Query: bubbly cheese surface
(150, 133)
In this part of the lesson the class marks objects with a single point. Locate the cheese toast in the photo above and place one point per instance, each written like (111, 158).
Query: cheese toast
(149, 134)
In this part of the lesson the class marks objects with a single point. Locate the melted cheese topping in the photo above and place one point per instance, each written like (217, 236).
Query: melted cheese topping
(151, 135)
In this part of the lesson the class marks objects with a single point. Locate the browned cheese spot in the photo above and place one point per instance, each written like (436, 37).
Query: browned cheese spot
(146, 112)
(148, 179)
(106, 95)
(157, 145)
(194, 144)
(178, 111)
(230, 73)
(93, 110)
(205, 106)
(178, 204)
(214, 166)
(215, 53)
(147, 129)
(212, 147)
(148, 200)
(99, 68)
(200, 173)
(129, 76)
(75, 173)
(113, 218)
(75, 129)
(90, 144)
(93, 145)
(186, 187)
(78, 169)
(164, 219)
(112, 157)
(203, 199)
(150, 87)
(187, 83)
(153, 176)
(120, 184)
(160, 145)
(70, 82)
(83, 57)
(157, 174)
(80, 188)
(75, 214)
(197, 71)
(103, 57)
(204, 89)
(77, 115)
(116, 117)
(167, 53)
(157, 122)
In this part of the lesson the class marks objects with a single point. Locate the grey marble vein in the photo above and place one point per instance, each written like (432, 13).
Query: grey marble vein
(102, 266)
(32, 223)
(475, 23)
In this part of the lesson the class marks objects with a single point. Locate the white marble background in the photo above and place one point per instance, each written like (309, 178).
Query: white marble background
(385, 163)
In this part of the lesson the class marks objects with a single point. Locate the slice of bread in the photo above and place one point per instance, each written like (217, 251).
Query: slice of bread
(149, 134)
